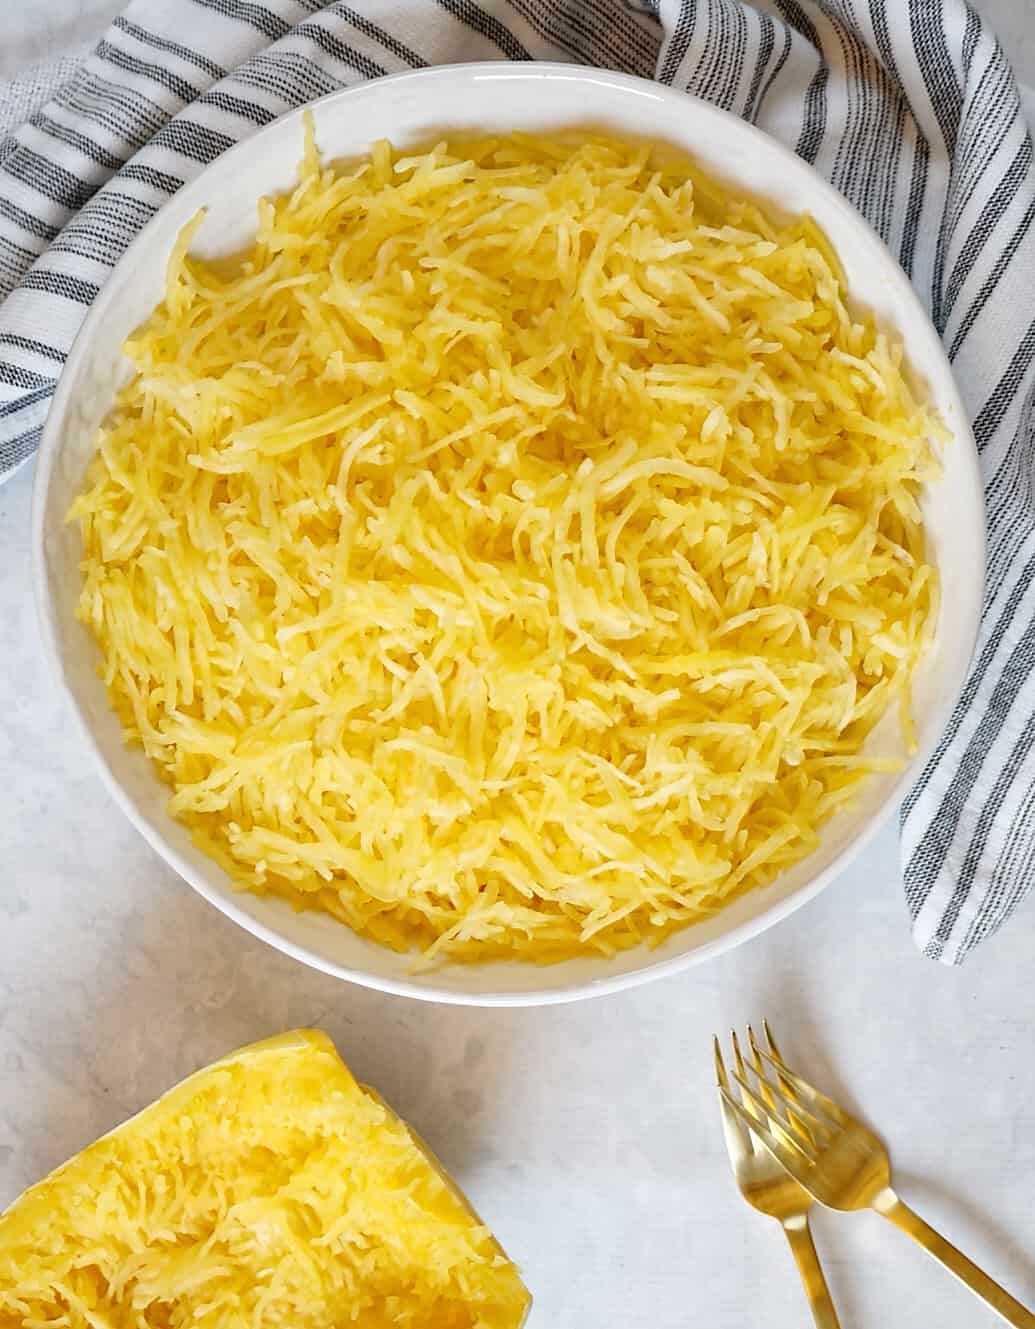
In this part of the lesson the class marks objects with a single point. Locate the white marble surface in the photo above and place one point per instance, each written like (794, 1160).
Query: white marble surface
(587, 1135)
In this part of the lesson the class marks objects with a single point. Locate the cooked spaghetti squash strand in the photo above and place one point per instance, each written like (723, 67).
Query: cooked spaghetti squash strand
(268, 1191)
(510, 556)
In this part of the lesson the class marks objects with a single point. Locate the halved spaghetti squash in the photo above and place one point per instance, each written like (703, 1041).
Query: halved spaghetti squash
(268, 1191)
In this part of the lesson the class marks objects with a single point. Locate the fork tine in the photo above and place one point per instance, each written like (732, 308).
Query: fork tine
(739, 1143)
(765, 1119)
(720, 1065)
(771, 1094)
(810, 1127)
(802, 1089)
(777, 1056)
(736, 1051)
(753, 1106)
(758, 1068)
(781, 1094)
(771, 1041)
(789, 1155)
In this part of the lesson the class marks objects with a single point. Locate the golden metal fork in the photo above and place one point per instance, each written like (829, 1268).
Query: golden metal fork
(771, 1190)
(841, 1163)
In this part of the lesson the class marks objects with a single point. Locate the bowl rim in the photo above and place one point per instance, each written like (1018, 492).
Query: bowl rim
(225, 900)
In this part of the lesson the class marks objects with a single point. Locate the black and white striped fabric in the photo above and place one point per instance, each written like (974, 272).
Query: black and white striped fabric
(907, 106)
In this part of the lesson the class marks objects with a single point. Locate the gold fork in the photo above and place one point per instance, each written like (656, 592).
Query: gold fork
(841, 1163)
(771, 1190)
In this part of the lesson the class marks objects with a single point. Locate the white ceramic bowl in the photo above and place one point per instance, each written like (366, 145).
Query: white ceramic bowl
(407, 108)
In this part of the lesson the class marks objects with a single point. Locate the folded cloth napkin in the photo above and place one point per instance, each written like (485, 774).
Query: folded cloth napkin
(908, 106)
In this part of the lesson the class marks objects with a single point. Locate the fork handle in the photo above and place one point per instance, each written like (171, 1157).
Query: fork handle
(891, 1207)
(804, 1251)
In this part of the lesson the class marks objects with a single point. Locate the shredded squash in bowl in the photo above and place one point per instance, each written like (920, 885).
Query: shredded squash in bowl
(512, 552)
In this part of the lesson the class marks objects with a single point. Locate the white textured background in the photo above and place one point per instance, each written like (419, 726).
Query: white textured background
(587, 1135)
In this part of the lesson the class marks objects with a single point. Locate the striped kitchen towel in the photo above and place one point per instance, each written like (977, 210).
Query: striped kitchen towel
(908, 106)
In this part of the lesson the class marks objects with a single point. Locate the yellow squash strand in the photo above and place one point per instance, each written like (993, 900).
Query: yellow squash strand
(268, 1191)
(511, 554)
